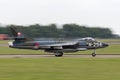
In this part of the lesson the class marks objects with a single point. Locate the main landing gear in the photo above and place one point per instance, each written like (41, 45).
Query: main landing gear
(58, 54)
(94, 53)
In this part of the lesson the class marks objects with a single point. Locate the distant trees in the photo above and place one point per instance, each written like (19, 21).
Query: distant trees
(82, 31)
(68, 31)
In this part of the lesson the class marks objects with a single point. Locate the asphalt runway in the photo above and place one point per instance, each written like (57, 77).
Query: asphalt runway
(64, 56)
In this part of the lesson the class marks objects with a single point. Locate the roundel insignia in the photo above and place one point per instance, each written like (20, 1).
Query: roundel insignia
(19, 34)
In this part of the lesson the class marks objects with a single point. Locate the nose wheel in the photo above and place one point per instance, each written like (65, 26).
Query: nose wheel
(94, 53)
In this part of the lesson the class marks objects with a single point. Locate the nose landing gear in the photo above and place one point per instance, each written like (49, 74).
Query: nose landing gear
(94, 53)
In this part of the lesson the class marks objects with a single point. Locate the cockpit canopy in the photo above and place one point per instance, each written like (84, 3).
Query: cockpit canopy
(88, 39)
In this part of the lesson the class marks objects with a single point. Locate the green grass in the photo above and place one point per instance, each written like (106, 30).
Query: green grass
(109, 40)
(112, 49)
(7, 50)
(59, 69)
(103, 40)
(4, 41)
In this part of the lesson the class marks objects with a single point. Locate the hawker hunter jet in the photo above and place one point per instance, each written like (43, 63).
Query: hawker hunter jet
(56, 47)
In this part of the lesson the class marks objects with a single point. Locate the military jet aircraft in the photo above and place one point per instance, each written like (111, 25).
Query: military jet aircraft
(56, 47)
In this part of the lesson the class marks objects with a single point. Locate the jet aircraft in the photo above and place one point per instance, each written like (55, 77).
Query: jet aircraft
(56, 47)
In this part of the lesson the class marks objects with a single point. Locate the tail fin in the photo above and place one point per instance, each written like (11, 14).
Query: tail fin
(18, 36)
(15, 33)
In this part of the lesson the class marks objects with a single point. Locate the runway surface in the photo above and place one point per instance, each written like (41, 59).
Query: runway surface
(64, 56)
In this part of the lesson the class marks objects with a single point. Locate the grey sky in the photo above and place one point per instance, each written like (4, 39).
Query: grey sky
(103, 13)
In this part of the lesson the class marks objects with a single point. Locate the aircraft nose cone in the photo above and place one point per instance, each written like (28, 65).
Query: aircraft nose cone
(105, 45)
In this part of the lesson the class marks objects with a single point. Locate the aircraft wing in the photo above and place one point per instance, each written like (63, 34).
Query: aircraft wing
(58, 45)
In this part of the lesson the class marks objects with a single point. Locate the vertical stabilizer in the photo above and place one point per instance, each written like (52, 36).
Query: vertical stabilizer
(18, 36)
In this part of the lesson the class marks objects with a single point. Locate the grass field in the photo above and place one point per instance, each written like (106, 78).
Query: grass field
(7, 50)
(112, 49)
(4, 41)
(59, 69)
(109, 40)
(102, 40)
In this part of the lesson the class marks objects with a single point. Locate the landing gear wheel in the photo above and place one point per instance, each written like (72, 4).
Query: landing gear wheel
(58, 54)
(93, 54)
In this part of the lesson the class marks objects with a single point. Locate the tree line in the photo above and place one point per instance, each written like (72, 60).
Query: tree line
(68, 31)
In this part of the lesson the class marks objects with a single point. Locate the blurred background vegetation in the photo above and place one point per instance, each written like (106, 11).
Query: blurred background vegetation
(67, 31)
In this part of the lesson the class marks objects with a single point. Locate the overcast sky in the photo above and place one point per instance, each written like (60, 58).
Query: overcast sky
(100, 13)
